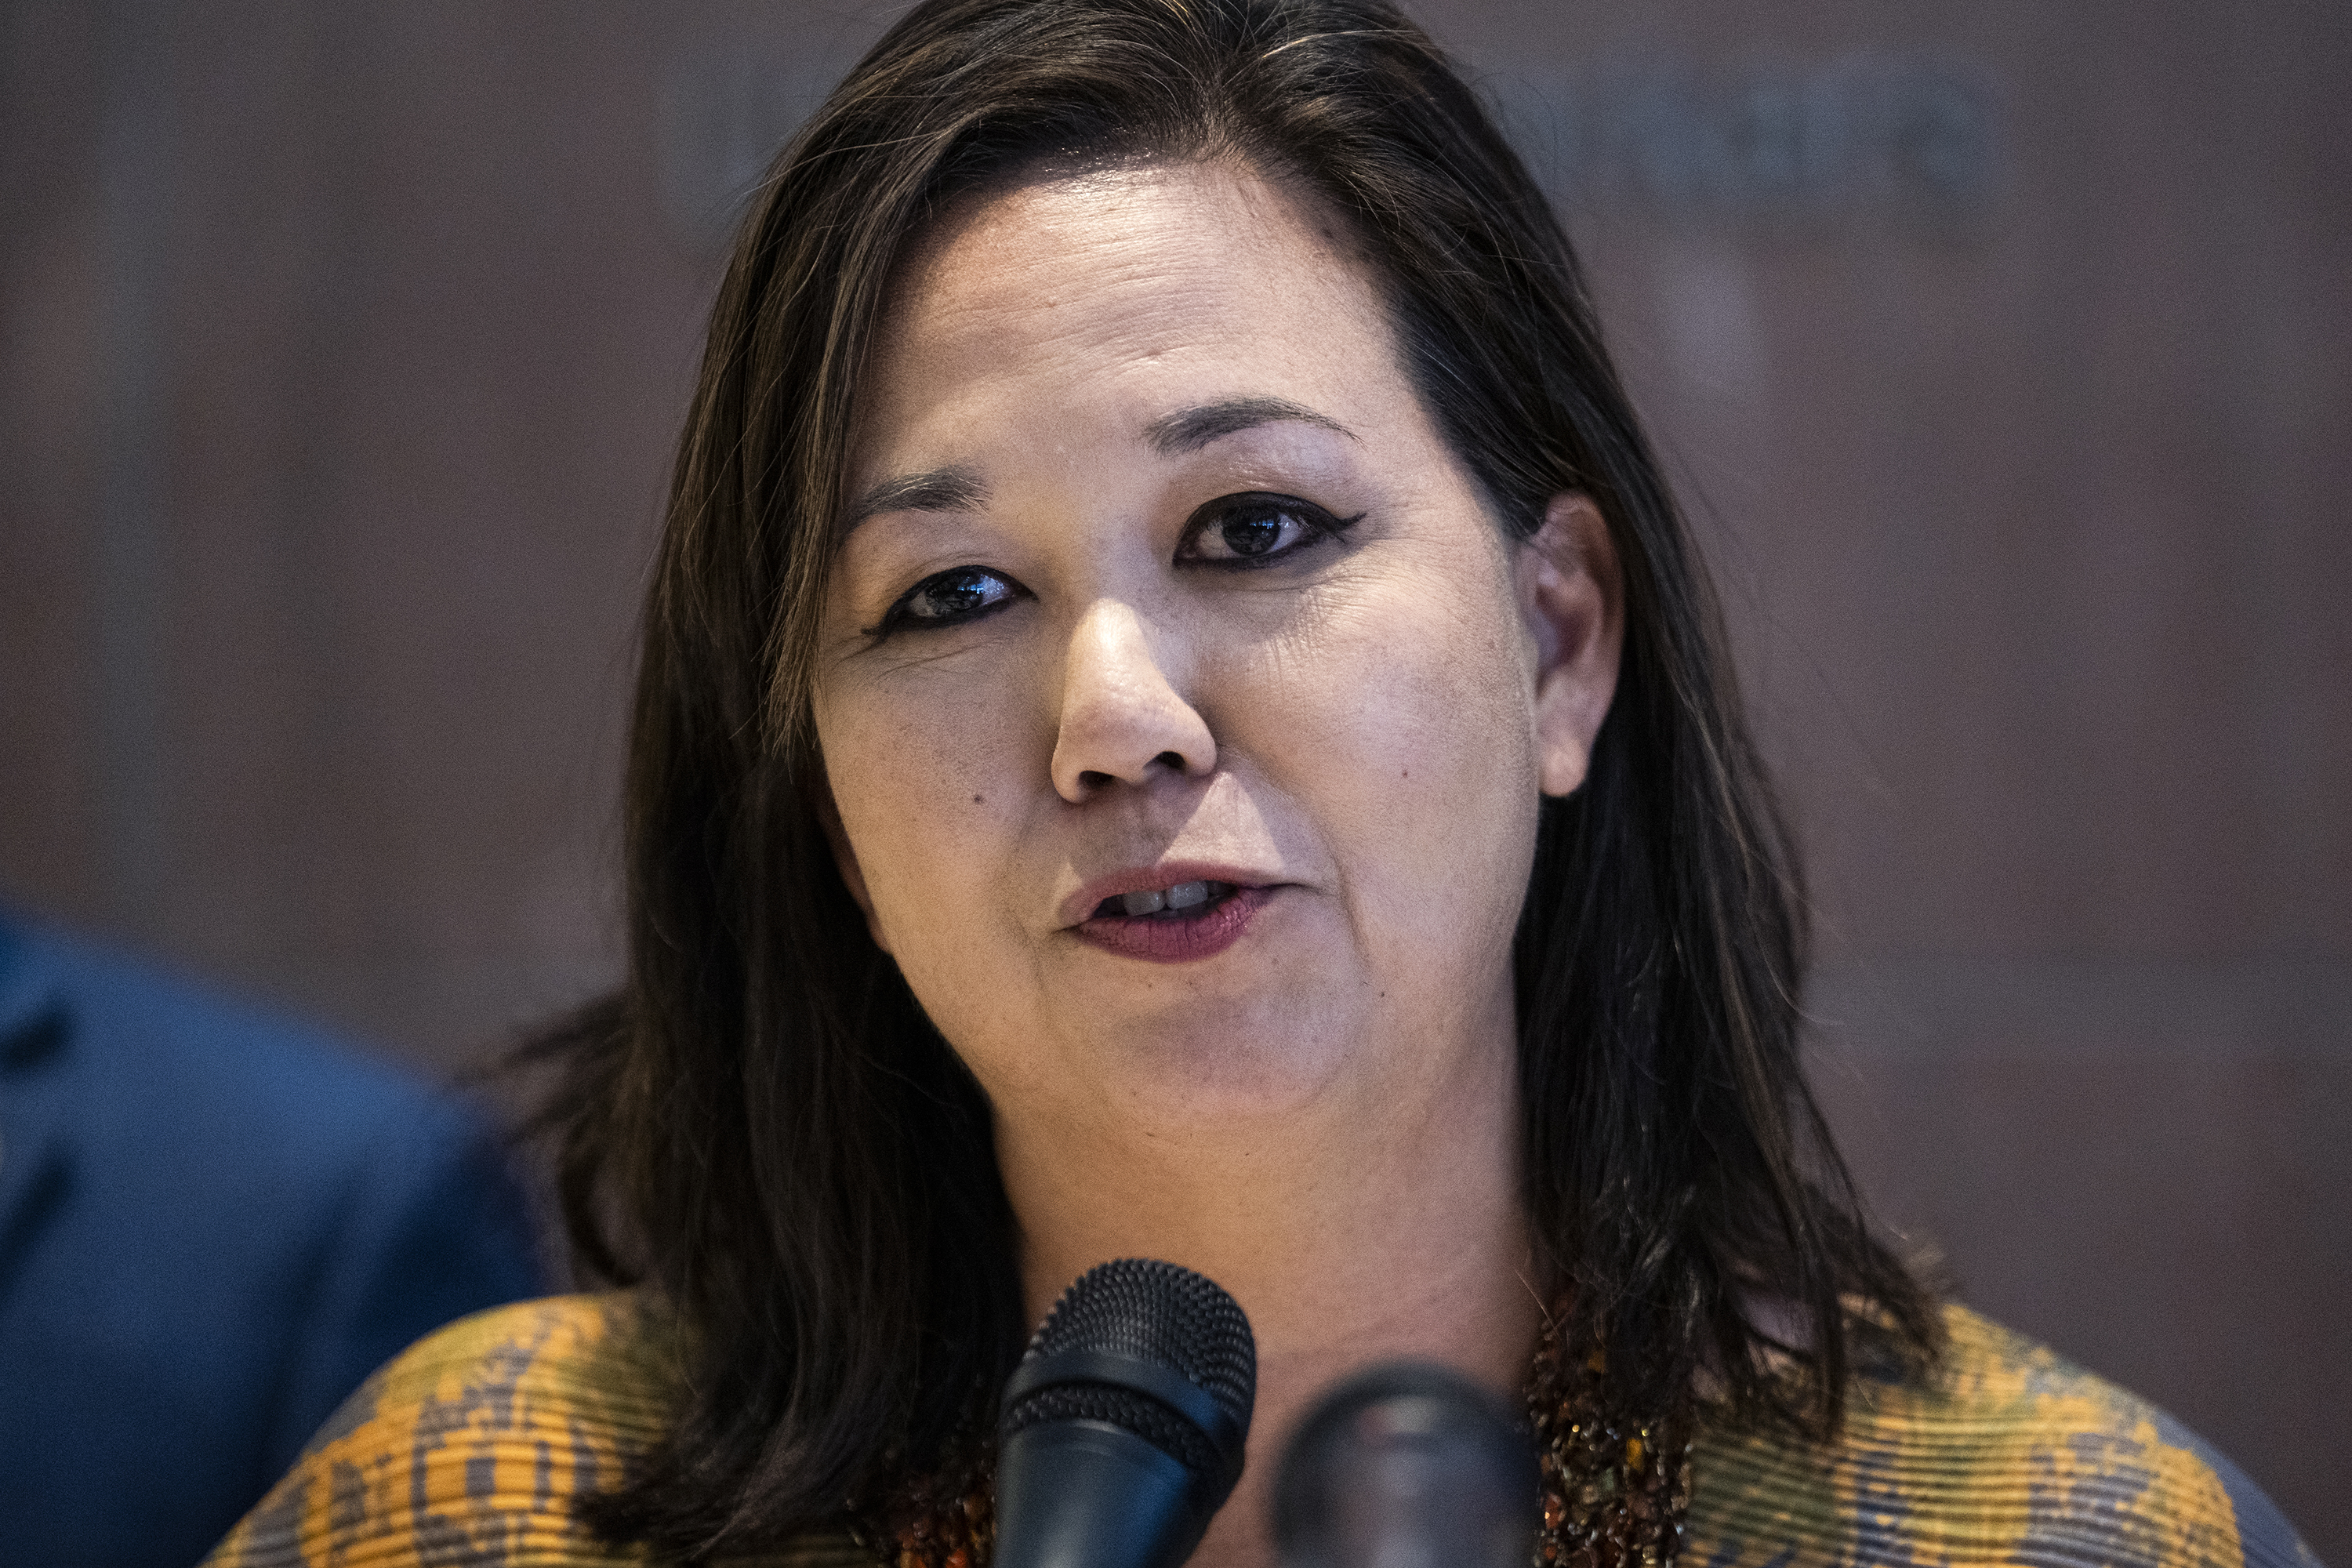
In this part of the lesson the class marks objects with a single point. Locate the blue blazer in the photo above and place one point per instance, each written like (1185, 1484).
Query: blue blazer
(212, 1227)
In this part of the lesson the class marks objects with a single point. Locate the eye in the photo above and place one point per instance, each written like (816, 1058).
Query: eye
(945, 598)
(1256, 529)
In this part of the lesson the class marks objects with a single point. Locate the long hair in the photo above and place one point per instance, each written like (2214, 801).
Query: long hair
(765, 1128)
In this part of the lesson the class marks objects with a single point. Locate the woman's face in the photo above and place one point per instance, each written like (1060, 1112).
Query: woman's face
(1185, 709)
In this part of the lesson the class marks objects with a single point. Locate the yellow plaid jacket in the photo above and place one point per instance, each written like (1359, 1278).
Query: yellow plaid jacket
(469, 1448)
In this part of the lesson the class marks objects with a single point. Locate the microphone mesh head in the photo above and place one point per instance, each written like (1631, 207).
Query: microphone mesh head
(1154, 1312)
(1138, 1413)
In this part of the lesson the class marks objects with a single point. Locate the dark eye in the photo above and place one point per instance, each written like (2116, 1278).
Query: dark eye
(1256, 529)
(959, 593)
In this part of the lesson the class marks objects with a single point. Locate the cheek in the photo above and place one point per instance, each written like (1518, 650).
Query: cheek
(917, 774)
(932, 810)
(1407, 717)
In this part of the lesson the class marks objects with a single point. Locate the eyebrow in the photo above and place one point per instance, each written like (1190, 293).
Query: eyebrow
(1186, 430)
(1190, 430)
(938, 489)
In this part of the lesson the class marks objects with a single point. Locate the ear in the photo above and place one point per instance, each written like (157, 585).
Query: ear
(845, 860)
(1572, 597)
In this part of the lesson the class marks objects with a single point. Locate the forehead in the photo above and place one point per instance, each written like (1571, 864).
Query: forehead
(1123, 294)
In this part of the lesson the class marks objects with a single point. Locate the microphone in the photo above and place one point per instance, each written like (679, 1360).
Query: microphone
(1121, 1433)
(1407, 1465)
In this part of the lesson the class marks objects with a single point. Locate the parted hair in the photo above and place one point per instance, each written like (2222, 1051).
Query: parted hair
(763, 1128)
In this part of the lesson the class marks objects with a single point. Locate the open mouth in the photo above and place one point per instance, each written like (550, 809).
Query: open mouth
(1180, 923)
(1185, 900)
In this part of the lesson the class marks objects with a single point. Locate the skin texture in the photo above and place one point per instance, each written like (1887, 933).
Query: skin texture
(1321, 1115)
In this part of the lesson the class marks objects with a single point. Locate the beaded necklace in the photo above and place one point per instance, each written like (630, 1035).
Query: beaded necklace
(1615, 1492)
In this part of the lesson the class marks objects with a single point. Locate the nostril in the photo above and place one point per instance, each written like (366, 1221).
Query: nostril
(1171, 759)
(1090, 779)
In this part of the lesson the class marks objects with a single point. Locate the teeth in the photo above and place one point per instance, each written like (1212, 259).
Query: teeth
(1182, 896)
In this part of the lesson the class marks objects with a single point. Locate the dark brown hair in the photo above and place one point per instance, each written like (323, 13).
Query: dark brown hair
(796, 1159)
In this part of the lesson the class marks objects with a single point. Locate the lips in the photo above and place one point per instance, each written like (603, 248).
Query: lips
(1163, 901)
(1186, 936)
(1168, 913)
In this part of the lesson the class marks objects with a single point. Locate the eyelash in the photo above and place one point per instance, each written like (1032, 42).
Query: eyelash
(1318, 526)
(899, 617)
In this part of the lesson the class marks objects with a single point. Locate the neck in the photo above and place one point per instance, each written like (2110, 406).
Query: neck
(1385, 1229)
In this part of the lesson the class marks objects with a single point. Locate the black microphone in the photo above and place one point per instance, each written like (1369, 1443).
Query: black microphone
(1121, 1431)
(1407, 1465)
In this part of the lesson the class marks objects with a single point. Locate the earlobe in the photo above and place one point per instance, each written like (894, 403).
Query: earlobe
(1571, 593)
(845, 860)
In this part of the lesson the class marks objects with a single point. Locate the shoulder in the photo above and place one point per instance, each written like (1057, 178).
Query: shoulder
(471, 1446)
(476, 1436)
(156, 1036)
(170, 1083)
(2007, 1453)
(209, 1211)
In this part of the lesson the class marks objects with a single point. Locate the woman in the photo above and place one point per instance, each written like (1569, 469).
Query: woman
(1178, 718)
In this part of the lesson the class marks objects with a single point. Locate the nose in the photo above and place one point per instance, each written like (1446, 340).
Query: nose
(1122, 720)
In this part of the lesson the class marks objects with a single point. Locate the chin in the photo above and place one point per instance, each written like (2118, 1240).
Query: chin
(1195, 1064)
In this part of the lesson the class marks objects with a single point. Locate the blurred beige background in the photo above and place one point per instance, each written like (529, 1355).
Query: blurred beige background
(2002, 350)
